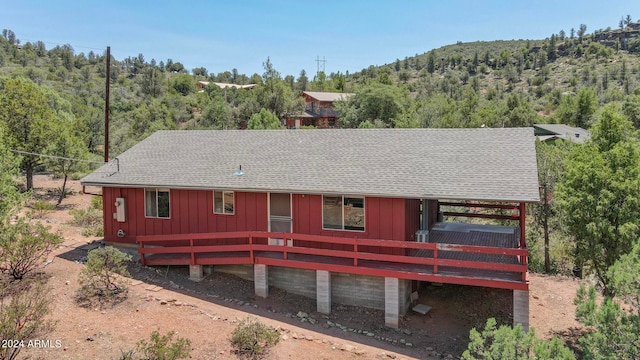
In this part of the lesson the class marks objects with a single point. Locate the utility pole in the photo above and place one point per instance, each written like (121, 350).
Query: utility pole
(320, 67)
(106, 107)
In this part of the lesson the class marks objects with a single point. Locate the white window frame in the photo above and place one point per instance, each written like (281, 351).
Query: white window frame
(157, 190)
(364, 213)
(224, 211)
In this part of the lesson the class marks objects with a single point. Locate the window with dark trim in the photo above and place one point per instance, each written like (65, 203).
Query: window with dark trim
(223, 202)
(343, 213)
(156, 203)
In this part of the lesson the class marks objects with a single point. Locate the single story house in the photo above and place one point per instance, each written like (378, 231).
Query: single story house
(319, 110)
(352, 216)
(201, 85)
(551, 132)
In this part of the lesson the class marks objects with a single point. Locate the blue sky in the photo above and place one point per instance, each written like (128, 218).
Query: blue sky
(350, 34)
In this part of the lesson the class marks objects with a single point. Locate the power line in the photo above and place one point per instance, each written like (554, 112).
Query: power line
(33, 42)
(57, 157)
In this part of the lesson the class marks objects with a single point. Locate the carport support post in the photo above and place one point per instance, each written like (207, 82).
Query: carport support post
(323, 291)
(196, 273)
(521, 308)
(425, 215)
(392, 302)
(261, 280)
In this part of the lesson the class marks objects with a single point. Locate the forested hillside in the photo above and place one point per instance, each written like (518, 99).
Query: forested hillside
(562, 79)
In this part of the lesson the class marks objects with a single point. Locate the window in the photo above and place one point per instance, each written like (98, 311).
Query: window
(343, 213)
(156, 203)
(223, 202)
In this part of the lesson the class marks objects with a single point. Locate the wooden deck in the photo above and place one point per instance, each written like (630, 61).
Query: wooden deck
(458, 254)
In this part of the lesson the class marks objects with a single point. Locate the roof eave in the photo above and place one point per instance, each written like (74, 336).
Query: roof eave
(324, 192)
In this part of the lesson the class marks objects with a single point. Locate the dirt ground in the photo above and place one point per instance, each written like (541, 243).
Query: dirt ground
(207, 312)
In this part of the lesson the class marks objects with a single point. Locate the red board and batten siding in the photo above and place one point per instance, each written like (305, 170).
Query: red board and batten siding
(412, 218)
(385, 218)
(192, 212)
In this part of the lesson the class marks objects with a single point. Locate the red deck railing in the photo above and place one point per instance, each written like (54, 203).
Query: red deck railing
(304, 251)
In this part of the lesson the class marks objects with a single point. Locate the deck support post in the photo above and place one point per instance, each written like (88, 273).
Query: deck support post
(208, 269)
(323, 291)
(195, 273)
(521, 308)
(261, 280)
(392, 302)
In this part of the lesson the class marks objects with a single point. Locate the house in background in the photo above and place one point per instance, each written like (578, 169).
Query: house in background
(551, 132)
(201, 85)
(319, 110)
(363, 228)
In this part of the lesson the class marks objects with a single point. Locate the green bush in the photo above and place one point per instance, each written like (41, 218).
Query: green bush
(506, 342)
(24, 309)
(613, 323)
(85, 217)
(40, 208)
(162, 347)
(560, 252)
(93, 231)
(100, 280)
(77, 175)
(252, 339)
(24, 245)
(90, 219)
(43, 205)
(96, 202)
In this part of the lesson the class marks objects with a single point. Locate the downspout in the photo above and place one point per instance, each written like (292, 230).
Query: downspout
(422, 235)
(84, 191)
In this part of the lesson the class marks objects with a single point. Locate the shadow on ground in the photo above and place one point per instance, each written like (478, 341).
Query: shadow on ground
(443, 331)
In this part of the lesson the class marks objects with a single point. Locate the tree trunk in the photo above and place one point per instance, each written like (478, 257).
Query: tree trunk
(604, 281)
(545, 226)
(62, 190)
(29, 170)
(547, 257)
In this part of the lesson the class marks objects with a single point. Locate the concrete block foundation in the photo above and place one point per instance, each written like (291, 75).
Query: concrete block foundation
(261, 280)
(196, 273)
(392, 302)
(521, 308)
(323, 289)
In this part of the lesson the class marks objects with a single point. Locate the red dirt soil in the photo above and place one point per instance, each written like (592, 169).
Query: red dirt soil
(207, 312)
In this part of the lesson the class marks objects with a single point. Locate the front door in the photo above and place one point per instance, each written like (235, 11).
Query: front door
(280, 216)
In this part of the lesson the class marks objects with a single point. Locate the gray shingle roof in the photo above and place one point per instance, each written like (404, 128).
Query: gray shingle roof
(472, 164)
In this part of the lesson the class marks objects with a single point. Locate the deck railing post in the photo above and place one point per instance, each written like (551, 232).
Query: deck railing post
(284, 246)
(435, 259)
(524, 262)
(251, 256)
(355, 251)
(193, 254)
(142, 259)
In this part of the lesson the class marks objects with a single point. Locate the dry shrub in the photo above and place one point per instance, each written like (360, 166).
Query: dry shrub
(252, 339)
